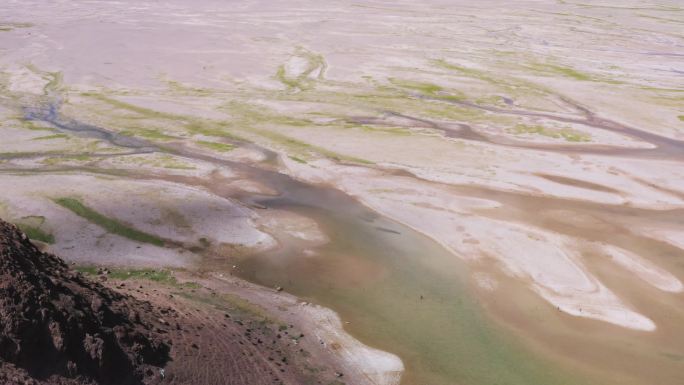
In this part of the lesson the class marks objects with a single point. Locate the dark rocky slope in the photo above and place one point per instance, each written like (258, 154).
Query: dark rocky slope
(58, 327)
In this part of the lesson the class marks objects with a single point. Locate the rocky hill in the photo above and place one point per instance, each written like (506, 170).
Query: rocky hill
(58, 327)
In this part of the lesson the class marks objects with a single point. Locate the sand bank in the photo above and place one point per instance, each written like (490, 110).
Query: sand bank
(548, 260)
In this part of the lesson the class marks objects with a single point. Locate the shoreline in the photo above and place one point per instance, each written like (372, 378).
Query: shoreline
(360, 364)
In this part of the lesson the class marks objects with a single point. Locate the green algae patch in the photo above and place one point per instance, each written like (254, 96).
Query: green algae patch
(162, 161)
(398, 131)
(36, 233)
(428, 89)
(34, 126)
(168, 161)
(306, 79)
(147, 133)
(51, 161)
(143, 113)
(572, 136)
(551, 69)
(54, 84)
(54, 80)
(491, 100)
(8, 27)
(564, 133)
(25, 154)
(111, 225)
(163, 276)
(32, 226)
(183, 89)
(466, 71)
(296, 159)
(568, 72)
(50, 137)
(283, 78)
(216, 146)
(239, 309)
(215, 129)
(454, 113)
(681, 117)
(424, 87)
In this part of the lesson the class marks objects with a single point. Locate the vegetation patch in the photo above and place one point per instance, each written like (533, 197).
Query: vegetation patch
(230, 303)
(455, 113)
(144, 112)
(32, 226)
(296, 159)
(54, 82)
(216, 146)
(303, 80)
(564, 133)
(111, 225)
(429, 89)
(402, 131)
(247, 307)
(469, 72)
(567, 72)
(208, 128)
(51, 161)
(287, 81)
(7, 27)
(34, 126)
(165, 277)
(180, 88)
(50, 137)
(36, 233)
(162, 161)
(424, 87)
(147, 133)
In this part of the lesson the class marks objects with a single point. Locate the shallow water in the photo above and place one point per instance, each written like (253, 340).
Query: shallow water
(401, 293)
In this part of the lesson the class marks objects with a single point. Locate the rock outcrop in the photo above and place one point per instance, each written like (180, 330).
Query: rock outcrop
(58, 327)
